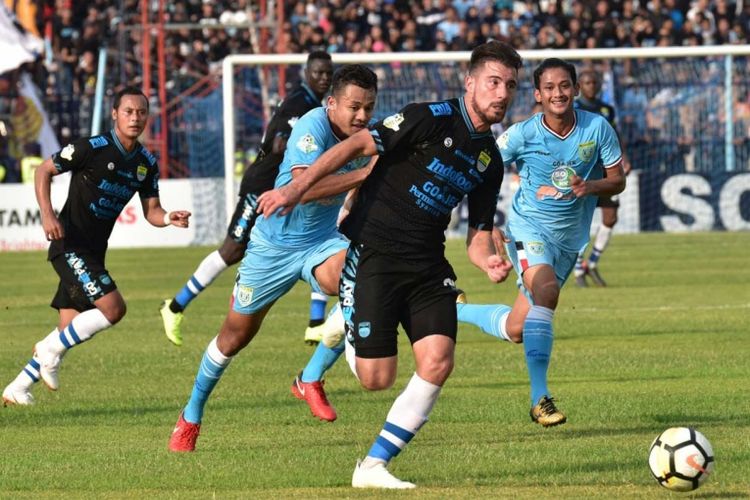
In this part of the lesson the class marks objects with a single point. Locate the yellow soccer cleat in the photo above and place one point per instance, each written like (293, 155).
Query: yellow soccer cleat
(546, 413)
(172, 323)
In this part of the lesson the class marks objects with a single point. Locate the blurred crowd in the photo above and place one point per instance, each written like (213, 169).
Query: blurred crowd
(200, 33)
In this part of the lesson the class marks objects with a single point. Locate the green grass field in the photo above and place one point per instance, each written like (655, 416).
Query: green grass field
(666, 344)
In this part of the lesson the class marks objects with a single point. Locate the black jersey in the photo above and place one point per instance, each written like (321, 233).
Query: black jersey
(430, 157)
(104, 178)
(260, 176)
(599, 107)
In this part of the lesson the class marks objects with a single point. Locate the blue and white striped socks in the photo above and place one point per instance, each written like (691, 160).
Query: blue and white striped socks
(209, 268)
(407, 415)
(82, 328)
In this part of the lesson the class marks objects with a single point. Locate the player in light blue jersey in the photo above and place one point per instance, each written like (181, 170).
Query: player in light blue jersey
(566, 158)
(303, 244)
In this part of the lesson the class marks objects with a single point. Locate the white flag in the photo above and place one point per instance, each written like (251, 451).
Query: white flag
(33, 123)
(16, 45)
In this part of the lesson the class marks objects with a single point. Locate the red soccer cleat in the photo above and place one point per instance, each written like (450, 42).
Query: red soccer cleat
(184, 436)
(315, 397)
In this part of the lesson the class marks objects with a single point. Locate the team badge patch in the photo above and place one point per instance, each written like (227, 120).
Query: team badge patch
(502, 141)
(140, 172)
(244, 295)
(483, 161)
(561, 177)
(306, 144)
(535, 247)
(448, 142)
(67, 152)
(586, 151)
(393, 121)
(364, 329)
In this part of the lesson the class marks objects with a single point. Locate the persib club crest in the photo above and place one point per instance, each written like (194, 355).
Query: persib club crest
(561, 177)
(586, 151)
(483, 161)
(141, 172)
(393, 121)
(364, 329)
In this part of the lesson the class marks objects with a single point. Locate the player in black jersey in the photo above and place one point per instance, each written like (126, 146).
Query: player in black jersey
(107, 170)
(431, 155)
(258, 177)
(591, 84)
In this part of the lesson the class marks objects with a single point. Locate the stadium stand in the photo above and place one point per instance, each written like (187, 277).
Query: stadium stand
(201, 32)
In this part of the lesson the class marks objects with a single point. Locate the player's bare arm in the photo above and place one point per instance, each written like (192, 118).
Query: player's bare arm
(333, 184)
(53, 229)
(613, 183)
(486, 251)
(157, 216)
(286, 197)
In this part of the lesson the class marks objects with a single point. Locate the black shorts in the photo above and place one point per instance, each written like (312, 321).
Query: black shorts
(83, 279)
(378, 291)
(608, 202)
(243, 218)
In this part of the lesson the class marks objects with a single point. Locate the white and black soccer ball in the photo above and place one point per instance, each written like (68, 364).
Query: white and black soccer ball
(681, 459)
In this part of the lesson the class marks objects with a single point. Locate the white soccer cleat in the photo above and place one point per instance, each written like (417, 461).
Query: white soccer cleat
(49, 365)
(14, 395)
(378, 476)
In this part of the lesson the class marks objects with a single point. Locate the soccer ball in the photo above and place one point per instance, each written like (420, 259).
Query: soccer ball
(681, 459)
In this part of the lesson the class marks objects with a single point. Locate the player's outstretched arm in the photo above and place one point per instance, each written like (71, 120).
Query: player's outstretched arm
(486, 251)
(53, 229)
(157, 216)
(286, 197)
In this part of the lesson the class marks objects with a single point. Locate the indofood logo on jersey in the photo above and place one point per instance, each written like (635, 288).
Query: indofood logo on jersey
(561, 177)
(483, 161)
(586, 151)
(140, 172)
(393, 121)
(307, 144)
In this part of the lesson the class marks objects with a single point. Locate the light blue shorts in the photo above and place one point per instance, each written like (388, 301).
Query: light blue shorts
(530, 247)
(267, 273)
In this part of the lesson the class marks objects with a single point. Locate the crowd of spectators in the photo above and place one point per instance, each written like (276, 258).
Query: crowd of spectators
(200, 33)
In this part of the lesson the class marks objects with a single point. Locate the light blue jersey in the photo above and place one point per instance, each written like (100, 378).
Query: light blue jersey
(310, 223)
(546, 161)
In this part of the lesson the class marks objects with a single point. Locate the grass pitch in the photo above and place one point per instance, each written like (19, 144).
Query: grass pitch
(666, 344)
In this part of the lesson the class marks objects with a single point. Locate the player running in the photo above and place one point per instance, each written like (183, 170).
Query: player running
(303, 244)
(566, 158)
(107, 170)
(431, 155)
(259, 177)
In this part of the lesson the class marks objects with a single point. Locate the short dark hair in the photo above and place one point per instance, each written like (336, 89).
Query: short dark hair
(495, 50)
(318, 54)
(354, 74)
(129, 90)
(554, 62)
